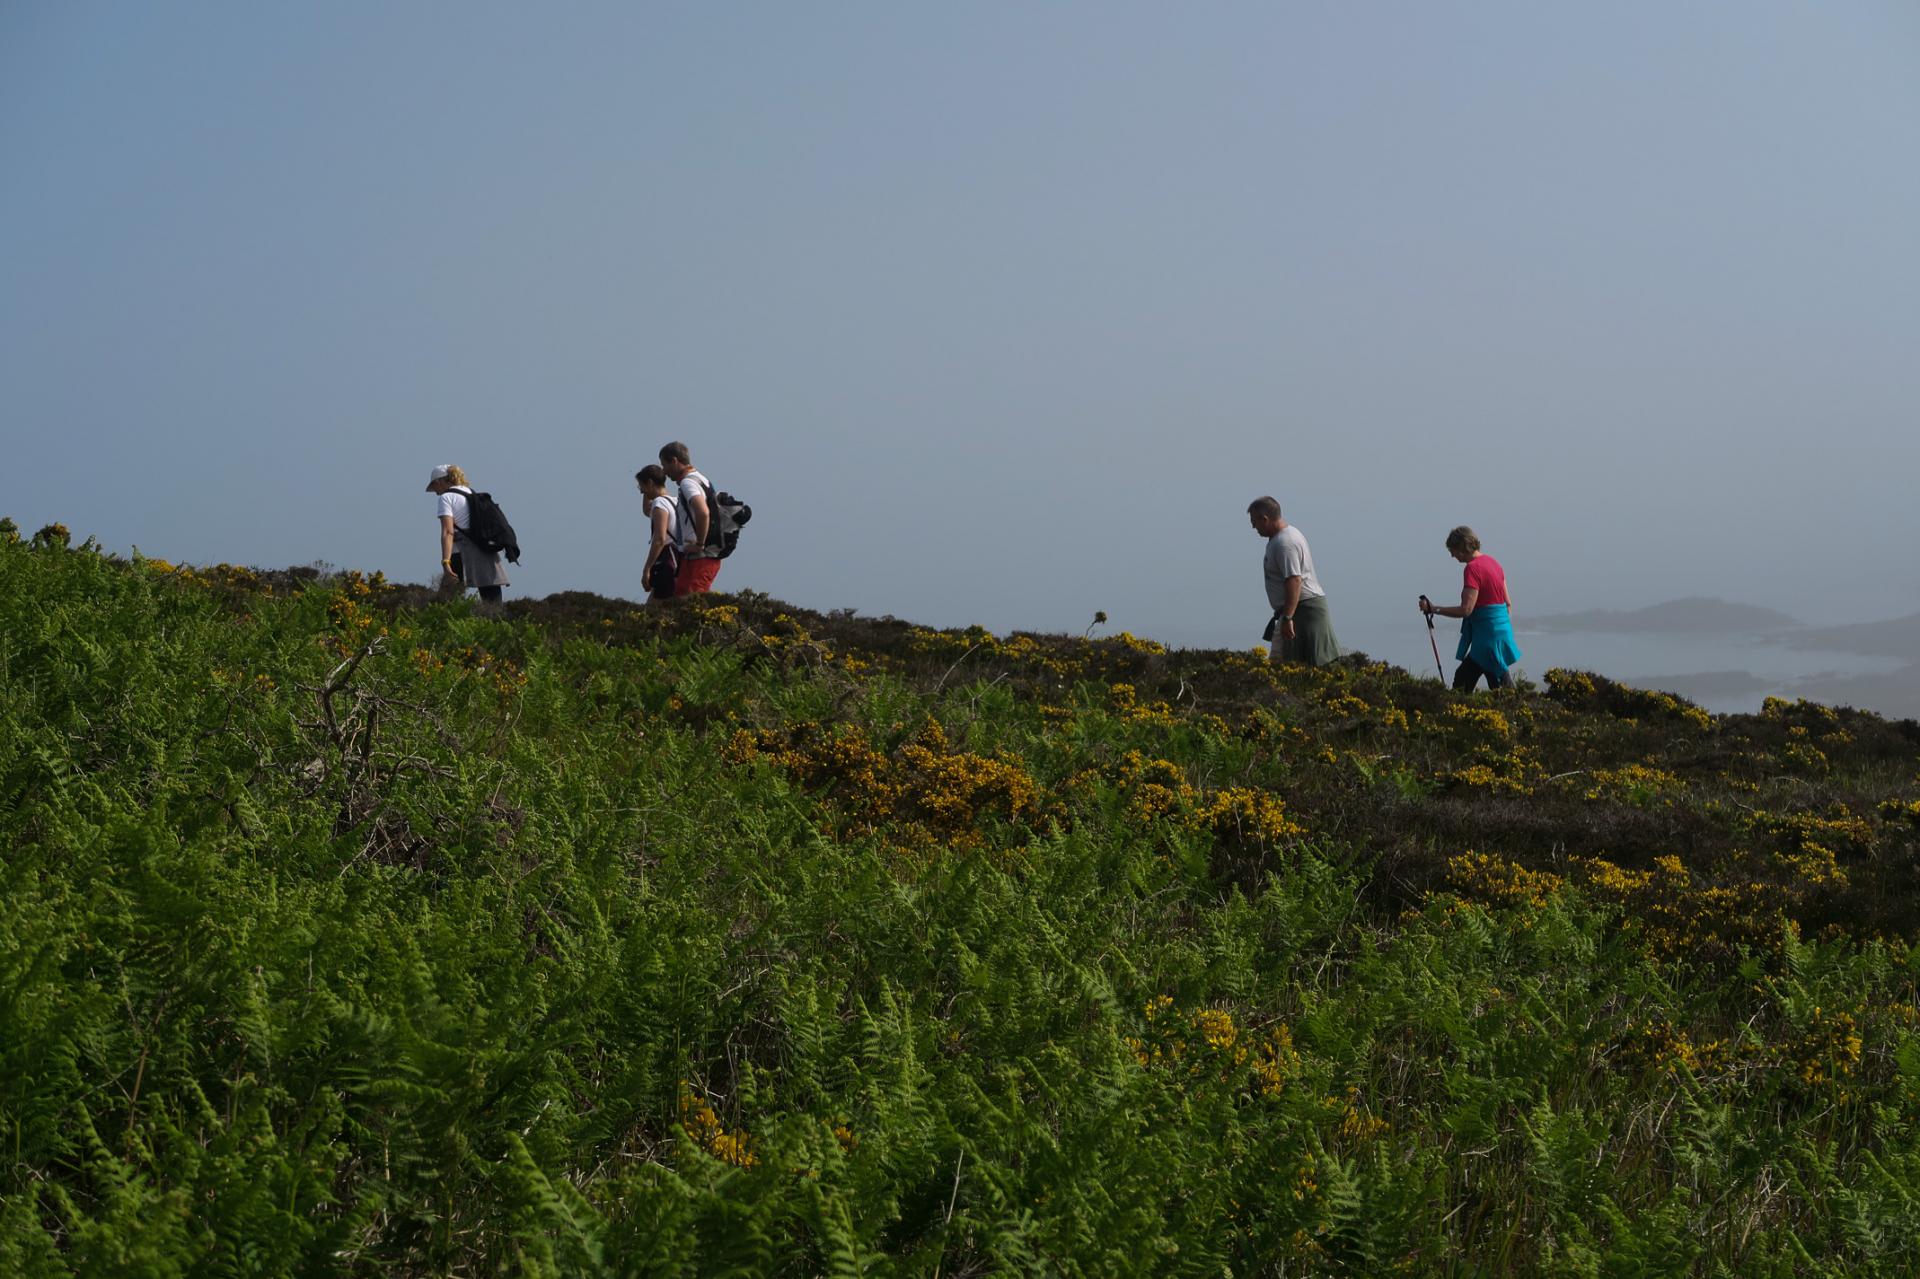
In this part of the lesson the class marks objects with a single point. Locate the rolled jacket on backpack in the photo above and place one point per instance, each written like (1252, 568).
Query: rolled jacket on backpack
(1486, 636)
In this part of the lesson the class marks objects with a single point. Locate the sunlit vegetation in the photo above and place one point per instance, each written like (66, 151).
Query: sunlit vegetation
(345, 930)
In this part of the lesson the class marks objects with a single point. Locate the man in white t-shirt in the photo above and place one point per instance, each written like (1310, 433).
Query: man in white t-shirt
(1302, 629)
(699, 563)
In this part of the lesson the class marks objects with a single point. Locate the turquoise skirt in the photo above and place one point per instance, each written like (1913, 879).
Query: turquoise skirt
(1486, 635)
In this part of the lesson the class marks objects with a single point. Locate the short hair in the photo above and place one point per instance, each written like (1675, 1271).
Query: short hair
(1463, 539)
(675, 451)
(651, 474)
(1267, 508)
(457, 476)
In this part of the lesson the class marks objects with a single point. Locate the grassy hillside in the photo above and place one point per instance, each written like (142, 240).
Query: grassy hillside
(347, 931)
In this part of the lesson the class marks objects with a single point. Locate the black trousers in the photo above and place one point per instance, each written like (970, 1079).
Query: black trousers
(1469, 674)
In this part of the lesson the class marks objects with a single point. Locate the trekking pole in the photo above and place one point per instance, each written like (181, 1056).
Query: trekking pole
(1426, 606)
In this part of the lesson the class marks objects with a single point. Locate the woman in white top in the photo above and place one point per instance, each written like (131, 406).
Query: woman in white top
(663, 519)
(461, 561)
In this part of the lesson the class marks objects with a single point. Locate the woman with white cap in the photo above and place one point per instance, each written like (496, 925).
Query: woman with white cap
(461, 561)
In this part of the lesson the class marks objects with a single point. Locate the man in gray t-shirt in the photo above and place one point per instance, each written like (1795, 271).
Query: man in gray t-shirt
(1302, 628)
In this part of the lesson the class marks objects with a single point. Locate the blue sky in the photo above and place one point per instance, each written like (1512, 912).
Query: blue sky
(995, 313)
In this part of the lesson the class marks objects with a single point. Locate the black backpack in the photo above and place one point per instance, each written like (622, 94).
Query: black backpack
(488, 529)
(725, 514)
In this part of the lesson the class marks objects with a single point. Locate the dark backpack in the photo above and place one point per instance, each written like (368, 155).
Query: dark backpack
(488, 529)
(725, 514)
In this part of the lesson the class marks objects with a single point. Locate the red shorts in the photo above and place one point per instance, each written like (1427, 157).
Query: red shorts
(696, 576)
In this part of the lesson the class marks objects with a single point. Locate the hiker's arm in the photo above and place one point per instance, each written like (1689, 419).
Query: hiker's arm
(446, 544)
(697, 506)
(654, 547)
(1293, 602)
(1469, 596)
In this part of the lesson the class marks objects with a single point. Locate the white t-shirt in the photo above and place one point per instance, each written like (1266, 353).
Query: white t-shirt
(665, 503)
(690, 488)
(454, 502)
(1288, 556)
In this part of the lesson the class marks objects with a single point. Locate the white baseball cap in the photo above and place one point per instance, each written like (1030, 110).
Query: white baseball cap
(439, 473)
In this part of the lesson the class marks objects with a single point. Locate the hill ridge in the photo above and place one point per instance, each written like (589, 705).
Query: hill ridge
(381, 933)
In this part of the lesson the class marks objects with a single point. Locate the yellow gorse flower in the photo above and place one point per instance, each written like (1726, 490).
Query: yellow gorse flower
(706, 1130)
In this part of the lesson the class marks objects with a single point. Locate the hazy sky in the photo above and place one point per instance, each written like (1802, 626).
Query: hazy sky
(994, 312)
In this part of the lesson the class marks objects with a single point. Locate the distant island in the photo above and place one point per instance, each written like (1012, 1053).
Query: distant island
(1894, 694)
(1899, 637)
(1706, 686)
(1695, 615)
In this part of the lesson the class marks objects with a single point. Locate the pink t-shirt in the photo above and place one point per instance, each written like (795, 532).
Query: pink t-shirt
(1484, 574)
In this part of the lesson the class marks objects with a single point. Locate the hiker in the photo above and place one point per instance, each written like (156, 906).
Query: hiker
(663, 520)
(1302, 627)
(461, 561)
(1487, 646)
(699, 563)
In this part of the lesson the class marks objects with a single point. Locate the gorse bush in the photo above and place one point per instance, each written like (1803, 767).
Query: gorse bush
(344, 931)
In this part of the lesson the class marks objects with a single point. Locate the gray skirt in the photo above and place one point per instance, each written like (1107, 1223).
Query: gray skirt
(477, 568)
(1313, 643)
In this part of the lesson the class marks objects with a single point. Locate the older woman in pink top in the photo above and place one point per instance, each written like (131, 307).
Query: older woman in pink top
(1487, 645)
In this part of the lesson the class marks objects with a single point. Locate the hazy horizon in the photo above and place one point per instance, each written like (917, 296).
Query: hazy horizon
(995, 315)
